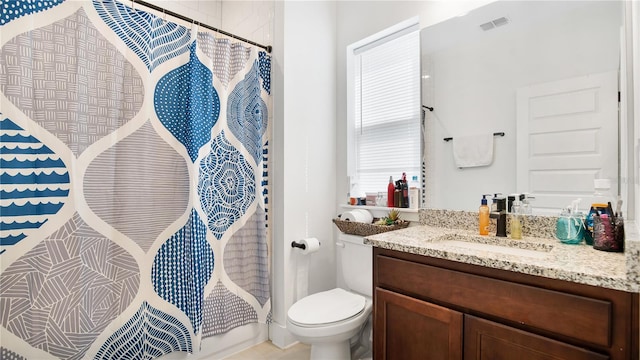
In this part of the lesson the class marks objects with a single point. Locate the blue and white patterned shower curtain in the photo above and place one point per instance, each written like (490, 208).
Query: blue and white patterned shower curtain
(133, 192)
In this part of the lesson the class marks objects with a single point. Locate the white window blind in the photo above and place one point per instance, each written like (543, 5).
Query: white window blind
(386, 133)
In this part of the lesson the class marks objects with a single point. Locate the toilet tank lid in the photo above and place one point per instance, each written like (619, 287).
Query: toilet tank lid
(326, 307)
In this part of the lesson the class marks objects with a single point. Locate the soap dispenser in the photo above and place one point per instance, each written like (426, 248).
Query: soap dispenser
(516, 220)
(483, 216)
(570, 226)
(525, 207)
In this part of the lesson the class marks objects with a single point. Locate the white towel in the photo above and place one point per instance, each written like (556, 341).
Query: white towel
(475, 150)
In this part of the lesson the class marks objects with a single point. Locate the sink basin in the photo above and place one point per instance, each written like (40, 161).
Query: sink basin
(497, 245)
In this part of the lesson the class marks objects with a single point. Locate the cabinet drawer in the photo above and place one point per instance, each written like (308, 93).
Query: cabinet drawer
(583, 318)
(401, 322)
(486, 340)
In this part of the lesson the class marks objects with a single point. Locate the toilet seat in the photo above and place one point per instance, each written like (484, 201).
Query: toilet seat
(326, 307)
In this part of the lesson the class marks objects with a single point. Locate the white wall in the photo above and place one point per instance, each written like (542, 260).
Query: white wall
(252, 20)
(634, 157)
(206, 11)
(304, 154)
(473, 89)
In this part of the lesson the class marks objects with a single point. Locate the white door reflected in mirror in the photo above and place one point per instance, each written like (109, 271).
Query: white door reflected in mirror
(567, 137)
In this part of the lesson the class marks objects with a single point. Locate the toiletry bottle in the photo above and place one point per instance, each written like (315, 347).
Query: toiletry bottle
(516, 220)
(483, 216)
(414, 193)
(525, 207)
(570, 227)
(563, 226)
(598, 207)
(354, 198)
(404, 186)
(390, 190)
(511, 198)
(397, 194)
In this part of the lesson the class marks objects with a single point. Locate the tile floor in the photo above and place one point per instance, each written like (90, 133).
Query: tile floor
(268, 351)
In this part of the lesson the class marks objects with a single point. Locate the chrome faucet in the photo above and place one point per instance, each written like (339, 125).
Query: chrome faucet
(501, 215)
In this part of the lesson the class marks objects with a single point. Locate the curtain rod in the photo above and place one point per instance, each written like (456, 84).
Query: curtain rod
(187, 19)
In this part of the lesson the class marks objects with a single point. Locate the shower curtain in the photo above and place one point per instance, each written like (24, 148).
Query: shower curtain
(133, 182)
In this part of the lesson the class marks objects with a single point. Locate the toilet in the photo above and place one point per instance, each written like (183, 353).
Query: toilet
(328, 320)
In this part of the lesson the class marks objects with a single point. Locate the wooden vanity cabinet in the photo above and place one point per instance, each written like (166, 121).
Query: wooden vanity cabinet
(429, 308)
(404, 321)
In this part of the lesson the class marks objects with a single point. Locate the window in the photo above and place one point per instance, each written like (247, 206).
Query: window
(383, 86)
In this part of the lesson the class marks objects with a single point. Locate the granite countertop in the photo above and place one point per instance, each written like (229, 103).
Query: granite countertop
(531, 255)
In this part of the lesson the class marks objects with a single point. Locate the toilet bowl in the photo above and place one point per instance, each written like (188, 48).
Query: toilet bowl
(328, 320)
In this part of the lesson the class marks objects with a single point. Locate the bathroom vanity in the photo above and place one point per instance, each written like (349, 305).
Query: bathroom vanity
(450, 294)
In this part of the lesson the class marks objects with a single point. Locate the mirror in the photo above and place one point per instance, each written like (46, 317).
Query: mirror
(523, 68)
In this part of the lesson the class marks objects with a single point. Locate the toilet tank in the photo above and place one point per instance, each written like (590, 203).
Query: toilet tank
(357, 263)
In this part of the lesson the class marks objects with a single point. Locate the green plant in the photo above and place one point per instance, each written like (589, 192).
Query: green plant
(392, 217)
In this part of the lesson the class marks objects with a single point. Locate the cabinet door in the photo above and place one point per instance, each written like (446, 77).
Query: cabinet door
(406, 328)
(487, 340)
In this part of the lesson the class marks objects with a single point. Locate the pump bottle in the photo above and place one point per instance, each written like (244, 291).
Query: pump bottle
(390, 192)
(483, 216)
(404, 187)
(516, 220)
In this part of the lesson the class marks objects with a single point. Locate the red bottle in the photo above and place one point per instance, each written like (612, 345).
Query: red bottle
(390, 189)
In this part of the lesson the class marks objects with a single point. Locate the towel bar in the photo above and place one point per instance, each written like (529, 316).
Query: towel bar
(494, 134)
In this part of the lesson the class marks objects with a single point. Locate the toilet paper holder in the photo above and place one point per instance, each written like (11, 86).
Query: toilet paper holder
(298, 245)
